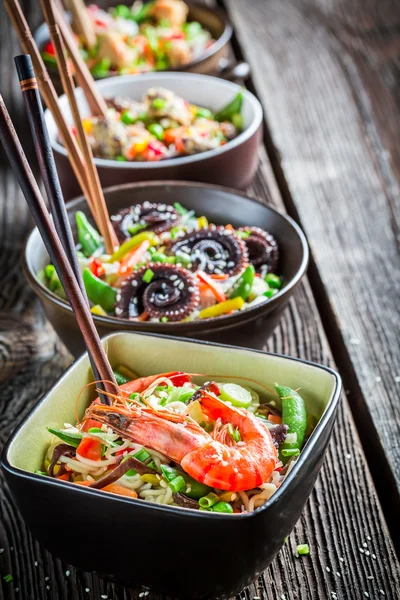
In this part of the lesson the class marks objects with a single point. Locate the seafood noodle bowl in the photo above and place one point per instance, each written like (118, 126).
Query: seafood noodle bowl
(215, 447)
(173, 266)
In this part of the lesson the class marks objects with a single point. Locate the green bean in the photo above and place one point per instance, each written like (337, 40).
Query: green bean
(243, 285)
(98, 291)
(89, 238)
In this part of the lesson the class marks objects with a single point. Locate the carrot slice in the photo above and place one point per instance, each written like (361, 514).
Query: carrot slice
(113, 488)
(132, 258)
(214, 287)
(275, 419)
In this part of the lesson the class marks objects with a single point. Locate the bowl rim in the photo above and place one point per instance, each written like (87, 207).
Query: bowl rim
(240, 139)
(218, 44)
(193, 326)
(177, 510)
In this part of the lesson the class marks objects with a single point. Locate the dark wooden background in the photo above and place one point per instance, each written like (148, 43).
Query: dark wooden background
(327, 73)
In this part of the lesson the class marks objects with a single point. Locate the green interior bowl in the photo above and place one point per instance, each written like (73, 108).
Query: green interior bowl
(121, 534)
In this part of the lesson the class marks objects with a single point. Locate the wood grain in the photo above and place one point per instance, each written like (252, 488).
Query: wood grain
(342, 514)
(331, 102)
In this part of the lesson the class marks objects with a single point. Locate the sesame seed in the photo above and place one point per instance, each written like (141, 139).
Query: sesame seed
(367, 553)
(397, 378)
(361, 550)
(46, 578)
(1, 550)
(378, 379)
(366, 594)
(68, 573)
(370, 577)
(87, 590)
(365, 545)
(141, 594)
(328, 569)
(104, 596)
(374, 557)
(380, 591)
(47, 587)
(354, 341)
(338, 574)
(36, 563)
(16, 590)
(12, 548)
(341, 558)
(146, 593)
(348, 456)
(368, 537)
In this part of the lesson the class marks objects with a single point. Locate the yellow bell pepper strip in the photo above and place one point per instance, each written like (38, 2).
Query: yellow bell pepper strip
(222, 308)
(132, 258)
(132, 243)
(98, 310)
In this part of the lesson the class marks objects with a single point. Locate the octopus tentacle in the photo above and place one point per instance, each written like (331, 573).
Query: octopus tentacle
(144, 217)
(171, 293)
(262, 247)
(215, 250)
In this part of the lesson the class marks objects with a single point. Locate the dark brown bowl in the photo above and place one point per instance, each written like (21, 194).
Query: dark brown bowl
(233, 164)
(209, 62)
(248, 328)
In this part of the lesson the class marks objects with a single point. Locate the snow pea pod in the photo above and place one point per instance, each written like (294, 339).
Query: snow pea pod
(243, 285)
(99, 292)
(232, 108)
(294, 415)
(89, 238)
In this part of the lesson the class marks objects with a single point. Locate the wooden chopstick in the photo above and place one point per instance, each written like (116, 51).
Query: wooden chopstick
(48, 170)
(50, 97)
(95, 100)
(96, 192)
(82, 22)
(40, 214)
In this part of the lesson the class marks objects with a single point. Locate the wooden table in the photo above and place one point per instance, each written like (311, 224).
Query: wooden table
(326, 73)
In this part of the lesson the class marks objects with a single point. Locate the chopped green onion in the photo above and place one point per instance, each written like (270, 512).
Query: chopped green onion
(234, 433)
(290, 452)
(95, 430)
(141, 455)
(209, 500)
(152, 465)
(177, 484)
(270, 293)
(273, 281)
(121, 158)
(164, 319)
(136, 227)
(156, 130)
(38, 472)
(204, 113)
(148, 275)
(128, 118)
(159, 103)
(8, 578)
(243, 234)
(303, 549)
(181, 209)
(73, 439)
(222, 507)
(134, 395)
(180, 394)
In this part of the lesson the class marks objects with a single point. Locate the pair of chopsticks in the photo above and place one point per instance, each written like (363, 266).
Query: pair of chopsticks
(57, 237)
(80, 156)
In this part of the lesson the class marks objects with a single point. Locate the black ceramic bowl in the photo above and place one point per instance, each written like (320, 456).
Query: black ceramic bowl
(220, 205)
(175, 551)
(211, 19)
(232, 164)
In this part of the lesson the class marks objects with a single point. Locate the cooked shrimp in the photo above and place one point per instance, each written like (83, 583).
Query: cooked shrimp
(215, 461)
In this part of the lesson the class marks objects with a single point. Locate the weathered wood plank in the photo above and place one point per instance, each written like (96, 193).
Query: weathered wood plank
(341, 515)
(331, 101)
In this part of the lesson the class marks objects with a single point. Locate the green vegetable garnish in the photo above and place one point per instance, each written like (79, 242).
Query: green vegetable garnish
(194, 489)
(181, 209)
(244, 284)
(120, 378)
(159, 103)
(286, 452)
(177, 484)
(128, 118)
(209, 500)
(98, 291)
(222, 507)
(273, 281)
(156, 130)
(148, 276)
(73, 439)
(232, 108)
(204, 113)
(234, 433)
(294, 415)
(235, 394)
(303, 549)
(8, 578)
(88, 237)
(38, 472)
